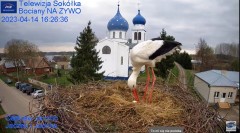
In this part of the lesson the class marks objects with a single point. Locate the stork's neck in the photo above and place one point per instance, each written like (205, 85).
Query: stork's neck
(132, 81)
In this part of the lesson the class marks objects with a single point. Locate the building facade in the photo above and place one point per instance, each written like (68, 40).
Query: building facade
(216, 86)
(114, 50)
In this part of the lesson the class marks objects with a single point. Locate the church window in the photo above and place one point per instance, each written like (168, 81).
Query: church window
(135, 35)
(139, 35)
(121, 60)
(120, 35)
(106, 50)
(113, 34)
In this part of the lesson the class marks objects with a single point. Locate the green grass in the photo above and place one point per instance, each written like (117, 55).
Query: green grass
(172, 78)
(22, 76)
(50, 79)
(190, 78)
(55, 80)
(4, 78)
(175, 71)
(3, 123)
(142, 76)
(190, 82)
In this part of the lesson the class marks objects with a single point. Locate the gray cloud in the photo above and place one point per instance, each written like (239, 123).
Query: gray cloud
(216, 21)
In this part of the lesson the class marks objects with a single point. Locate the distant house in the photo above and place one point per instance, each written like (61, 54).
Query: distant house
(1, 65)
(217, 86)
(62, 62)
(10, 67)
(38, 65)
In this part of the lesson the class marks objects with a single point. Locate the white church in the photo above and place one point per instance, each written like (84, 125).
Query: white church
(114, 50)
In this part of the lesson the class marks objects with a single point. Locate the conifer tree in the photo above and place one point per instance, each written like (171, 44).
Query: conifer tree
(85, 63)
(165, 64)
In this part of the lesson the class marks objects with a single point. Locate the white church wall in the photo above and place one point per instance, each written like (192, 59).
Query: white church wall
(122, 60)
(109, 60)
(116, 63)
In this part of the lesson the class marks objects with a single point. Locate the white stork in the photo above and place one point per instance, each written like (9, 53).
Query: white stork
(148, 53)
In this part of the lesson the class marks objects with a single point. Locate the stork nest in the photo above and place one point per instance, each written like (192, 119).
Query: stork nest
(108, 107)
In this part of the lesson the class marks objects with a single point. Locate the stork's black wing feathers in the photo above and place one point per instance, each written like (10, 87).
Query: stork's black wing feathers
(154, 39)
(166, 47)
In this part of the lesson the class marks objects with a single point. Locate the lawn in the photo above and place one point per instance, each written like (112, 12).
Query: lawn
(190, 78)
(22, 76)
(173, 76)
(190, 82)
(4, 78)
(172, 79)
(143, 76)
(3, 123)
(54, 79)
(47, 78)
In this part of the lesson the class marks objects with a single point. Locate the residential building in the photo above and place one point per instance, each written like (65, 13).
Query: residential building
(62, 62)
(10, 66)
(38, 65)
(217, 86)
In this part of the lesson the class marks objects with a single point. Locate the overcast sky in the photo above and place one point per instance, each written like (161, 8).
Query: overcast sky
(216, 21)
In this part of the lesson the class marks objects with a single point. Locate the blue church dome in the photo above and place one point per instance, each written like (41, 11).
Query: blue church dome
(139, 19)
(118, 22)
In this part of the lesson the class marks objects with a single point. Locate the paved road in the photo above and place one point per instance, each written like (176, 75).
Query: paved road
(182, 75)
(13, 100)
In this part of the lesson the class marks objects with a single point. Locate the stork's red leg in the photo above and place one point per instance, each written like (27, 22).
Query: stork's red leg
(153, 83)
(135, 94)
(147, 84)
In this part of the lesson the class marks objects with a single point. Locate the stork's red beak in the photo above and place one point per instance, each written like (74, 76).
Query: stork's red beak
(135, 94)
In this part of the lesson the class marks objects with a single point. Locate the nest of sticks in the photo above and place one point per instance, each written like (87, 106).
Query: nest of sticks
(108, 107)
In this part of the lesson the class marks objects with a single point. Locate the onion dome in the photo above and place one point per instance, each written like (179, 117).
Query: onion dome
(118, 22)
(139, 19)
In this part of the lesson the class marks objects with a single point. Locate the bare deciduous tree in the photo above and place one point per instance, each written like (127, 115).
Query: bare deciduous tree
(17, 51)
(205, 54)
(231, 49)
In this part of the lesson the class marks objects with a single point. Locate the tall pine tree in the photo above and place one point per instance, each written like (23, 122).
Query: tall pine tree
(85, 63)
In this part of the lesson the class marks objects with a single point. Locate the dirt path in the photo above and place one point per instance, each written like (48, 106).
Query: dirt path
(182, 75)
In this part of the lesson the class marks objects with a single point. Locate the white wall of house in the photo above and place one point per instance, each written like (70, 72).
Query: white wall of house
(201, 87)
(62, 64)
(228, 97)
(209, 93)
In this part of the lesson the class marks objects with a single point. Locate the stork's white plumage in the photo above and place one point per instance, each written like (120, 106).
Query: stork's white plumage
(148, 53)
